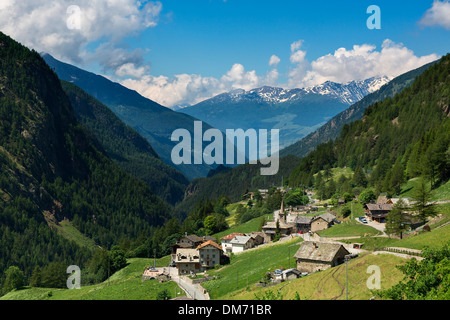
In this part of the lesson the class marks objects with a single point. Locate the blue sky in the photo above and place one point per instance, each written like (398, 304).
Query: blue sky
(207, 37)
(180, 52)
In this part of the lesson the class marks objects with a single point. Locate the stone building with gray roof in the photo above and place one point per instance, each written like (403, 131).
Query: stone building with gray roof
(318, 256)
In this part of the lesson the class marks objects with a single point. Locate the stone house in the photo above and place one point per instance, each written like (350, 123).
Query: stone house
(383, 200)
(257, 237)
(302, 224)
(378, 212)
(318, 256)
(209, 253)
(290, 274)
(322, 222)
(270, 228)
(187, 261)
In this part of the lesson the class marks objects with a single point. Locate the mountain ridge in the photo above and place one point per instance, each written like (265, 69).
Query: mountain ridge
(295, 112)
(349, 92)
(331, 129)
(51, 170)
(153, 121)
(126, 147)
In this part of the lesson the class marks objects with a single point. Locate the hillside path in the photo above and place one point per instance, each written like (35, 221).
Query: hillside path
(194, 291)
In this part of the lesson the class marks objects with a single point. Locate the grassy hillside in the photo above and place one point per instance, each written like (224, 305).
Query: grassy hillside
(125, 284)
(66, 229)
(250, 266)
(434, 239)
(441, 193)
(247, 227)
(349, 228)
(330, 284)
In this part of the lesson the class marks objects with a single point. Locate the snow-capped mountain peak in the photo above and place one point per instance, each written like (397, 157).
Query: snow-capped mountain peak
(348, 93)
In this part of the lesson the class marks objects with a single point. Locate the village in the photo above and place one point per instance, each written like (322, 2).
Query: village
(192, 256)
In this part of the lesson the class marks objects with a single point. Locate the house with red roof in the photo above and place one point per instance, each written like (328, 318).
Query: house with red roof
(226, 245)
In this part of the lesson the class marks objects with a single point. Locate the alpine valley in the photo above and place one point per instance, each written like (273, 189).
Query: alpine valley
(86, 179)
(296, 112)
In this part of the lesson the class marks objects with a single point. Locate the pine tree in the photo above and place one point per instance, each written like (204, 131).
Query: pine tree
(395, 221)
(36, 277)
(397, 178)
(422, 201)
(359, 178)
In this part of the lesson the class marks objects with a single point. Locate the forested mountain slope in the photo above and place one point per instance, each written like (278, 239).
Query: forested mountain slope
(399, 138)
(333, 127)
(234, 182)
(154, 122)
(50, 169)
(126, 147)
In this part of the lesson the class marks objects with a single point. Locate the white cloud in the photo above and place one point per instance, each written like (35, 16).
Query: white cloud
(274, 61)
(360, 62)
(298, 58)
(48, 26)
(238, 78)
(295, 46)
(130, 70)
(185, 89)
(344, 65)
(104, 25)
(437, 15)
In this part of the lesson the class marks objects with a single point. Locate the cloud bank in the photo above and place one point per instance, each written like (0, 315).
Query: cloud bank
(96, 31)
(438, 15)
(91, 30)
(344, 65)
(360, 62)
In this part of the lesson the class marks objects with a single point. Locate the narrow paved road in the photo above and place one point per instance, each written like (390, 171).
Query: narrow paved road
(376, 225)
(194, 291)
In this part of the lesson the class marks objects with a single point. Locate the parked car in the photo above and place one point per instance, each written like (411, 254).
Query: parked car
(303, 274)
(278, 271)
(362, 219)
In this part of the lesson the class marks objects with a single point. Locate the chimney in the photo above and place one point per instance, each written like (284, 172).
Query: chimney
(283, 218)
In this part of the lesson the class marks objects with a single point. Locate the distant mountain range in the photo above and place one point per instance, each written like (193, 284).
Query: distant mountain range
(296, 112)
(332, 129)
(240, 179)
